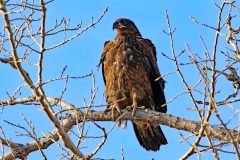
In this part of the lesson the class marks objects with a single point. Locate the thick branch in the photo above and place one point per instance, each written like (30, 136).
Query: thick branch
(165, 119)
(146, 115)
(143, 115)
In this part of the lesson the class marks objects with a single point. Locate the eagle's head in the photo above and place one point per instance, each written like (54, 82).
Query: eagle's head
(125, 26)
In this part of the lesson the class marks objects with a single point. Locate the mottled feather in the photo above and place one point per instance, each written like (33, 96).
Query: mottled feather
(129, 67)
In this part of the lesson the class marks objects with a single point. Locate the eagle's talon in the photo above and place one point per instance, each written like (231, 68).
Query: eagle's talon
(142, 107)
(113, 108)
(134, 106)
(133, 111)
(129, 108)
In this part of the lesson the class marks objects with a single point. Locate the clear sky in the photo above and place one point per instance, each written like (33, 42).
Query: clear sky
(82, 56)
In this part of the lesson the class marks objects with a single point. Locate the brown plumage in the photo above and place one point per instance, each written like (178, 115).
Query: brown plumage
(130, 70)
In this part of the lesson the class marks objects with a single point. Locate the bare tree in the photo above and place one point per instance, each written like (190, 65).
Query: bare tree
(23, 47)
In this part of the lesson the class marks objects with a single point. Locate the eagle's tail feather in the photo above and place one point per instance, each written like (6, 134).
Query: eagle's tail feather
(149, 136)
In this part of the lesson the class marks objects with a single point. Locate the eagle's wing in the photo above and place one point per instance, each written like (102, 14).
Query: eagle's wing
(157, 81)
(102, 59)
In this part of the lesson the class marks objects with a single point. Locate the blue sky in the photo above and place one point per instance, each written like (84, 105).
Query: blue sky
(82, 56)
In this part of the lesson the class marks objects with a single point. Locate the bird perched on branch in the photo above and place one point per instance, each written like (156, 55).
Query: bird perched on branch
(132, 78)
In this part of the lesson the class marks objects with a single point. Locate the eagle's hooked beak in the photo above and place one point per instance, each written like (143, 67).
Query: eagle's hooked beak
(116, 25)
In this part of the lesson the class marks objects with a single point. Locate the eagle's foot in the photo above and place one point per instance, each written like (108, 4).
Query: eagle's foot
(134, 105)
(142, 107)
(133, 108)
(114, 108)
(128, 108)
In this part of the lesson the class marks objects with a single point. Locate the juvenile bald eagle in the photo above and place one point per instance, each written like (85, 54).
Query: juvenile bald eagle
(130, 70)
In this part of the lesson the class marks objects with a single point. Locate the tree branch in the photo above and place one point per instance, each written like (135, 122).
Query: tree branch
(40, 96)
(78, 116)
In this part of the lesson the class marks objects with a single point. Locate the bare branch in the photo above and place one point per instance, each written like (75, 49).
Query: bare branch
(143, 115)
(81, 32)
(38, 93)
